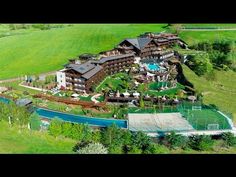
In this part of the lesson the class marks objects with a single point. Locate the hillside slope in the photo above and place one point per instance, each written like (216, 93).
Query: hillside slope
(44, 51)
(221, 91)
(14, 141)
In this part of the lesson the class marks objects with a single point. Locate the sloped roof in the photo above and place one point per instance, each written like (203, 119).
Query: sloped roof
(139, 43)
(23, 102)
(81, 68)
(92, 72)
(105, 59)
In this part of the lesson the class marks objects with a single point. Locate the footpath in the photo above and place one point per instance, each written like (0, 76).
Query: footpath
(17, 78)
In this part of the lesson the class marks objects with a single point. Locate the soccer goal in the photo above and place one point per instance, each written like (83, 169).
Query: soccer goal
(213, 127)
(196, 107)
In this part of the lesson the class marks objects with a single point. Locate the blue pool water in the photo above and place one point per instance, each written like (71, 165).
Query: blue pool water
(4, 100)
(153, 67)
(50, 114)
(101, 122)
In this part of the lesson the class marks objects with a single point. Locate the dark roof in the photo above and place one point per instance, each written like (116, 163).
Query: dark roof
(23, 102)
(105, 59)
(92, 72)
(81, 68)
(139, 43)
(161, 40)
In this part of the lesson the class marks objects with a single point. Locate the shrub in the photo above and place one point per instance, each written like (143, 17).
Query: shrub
(115, 149)
(141, 140)
(201, 142)
(35, 122)
(111, 136)
(93, 148)
(135, 150)
(200, 64)
(55, 127)
(174, 140)
(229, 139)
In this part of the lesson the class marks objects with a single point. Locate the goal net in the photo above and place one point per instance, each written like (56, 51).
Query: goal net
(196, 107)
(213, 127)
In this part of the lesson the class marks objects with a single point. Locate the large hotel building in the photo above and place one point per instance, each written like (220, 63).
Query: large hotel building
(81, 77)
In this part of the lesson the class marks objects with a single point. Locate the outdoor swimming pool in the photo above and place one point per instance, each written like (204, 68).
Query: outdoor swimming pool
(4, 100)
(92, 121)
(101, 122)
(153, 67)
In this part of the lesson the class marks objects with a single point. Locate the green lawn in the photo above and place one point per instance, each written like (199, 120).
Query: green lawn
(221, 92)
(154, 85)
(200, 119)
(13, 142)
(193, 37)
(19, 89)
(43, 51)
(111, 81)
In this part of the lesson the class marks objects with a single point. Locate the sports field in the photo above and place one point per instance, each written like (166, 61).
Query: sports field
(158, 122)
(200, 119)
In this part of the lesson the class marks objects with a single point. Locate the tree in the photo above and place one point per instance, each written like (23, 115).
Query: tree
(126, 140)
(18, 115)
(141, 101)
(66, 129)
(141, 140)
(201, 142)
(55, 127)
(135, 150)
(77, 132)
(175, 140)
(96, 136)
(93, 148)
(175, 28)
(111, 136)
(200, 64)
(229, 139)
(222, 46)
(35, 122)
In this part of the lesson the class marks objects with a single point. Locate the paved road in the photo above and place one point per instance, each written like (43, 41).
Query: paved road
(17, 79)
(220, 29)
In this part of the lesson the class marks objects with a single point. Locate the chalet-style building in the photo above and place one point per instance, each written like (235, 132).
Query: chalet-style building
(142, 47)
(117, 63)
(81, 77)
(165, 40)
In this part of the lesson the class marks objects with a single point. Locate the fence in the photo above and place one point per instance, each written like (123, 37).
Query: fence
(70, 101)
(204, 117)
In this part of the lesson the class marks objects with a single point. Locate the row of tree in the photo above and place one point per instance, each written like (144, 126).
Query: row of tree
(36, 26)
(200, 64)
(121, 141)
(111, 139)
(14, 114)
(218, 52)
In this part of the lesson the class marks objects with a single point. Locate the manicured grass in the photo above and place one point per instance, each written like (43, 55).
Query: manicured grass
(43, 51)
(111, 81)
(17, 88)
(14, 141)
(157, 85)
(171, 91)
(220, 92)
(84, 98)
(193, 37)
(200, 119)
